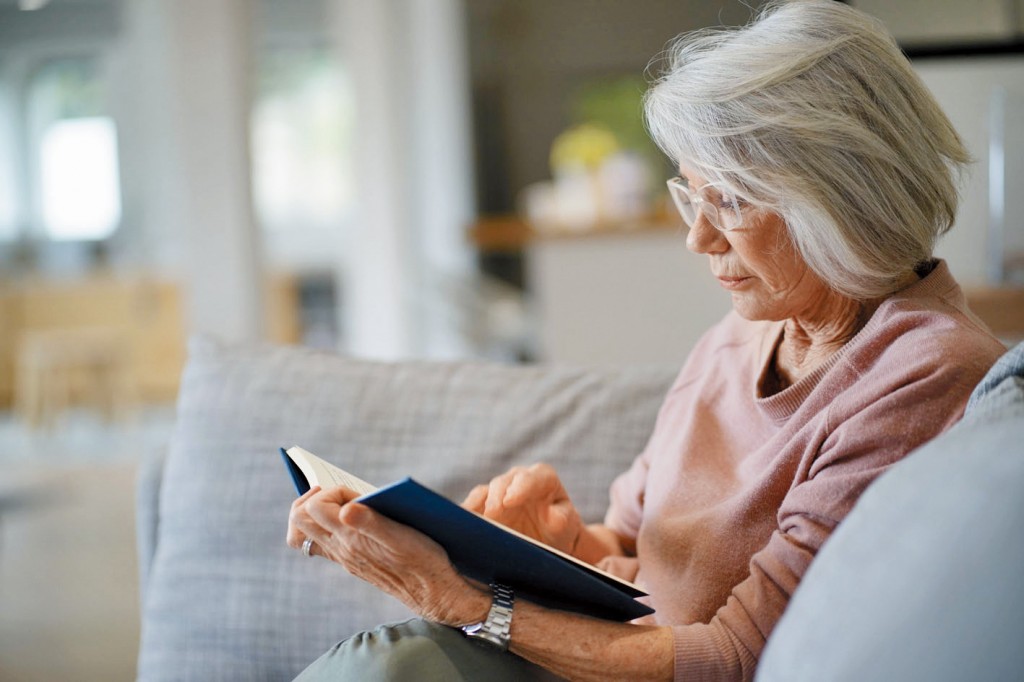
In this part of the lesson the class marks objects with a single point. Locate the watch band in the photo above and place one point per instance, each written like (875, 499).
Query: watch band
(496, 630)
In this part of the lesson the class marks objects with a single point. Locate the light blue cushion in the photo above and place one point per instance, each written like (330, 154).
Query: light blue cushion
(925, 578)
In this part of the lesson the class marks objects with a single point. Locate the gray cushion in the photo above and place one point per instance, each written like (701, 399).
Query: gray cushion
(147, 510)
(227, 600)
(923, 580)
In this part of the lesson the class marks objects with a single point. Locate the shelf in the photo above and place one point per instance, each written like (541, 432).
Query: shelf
(510, 233)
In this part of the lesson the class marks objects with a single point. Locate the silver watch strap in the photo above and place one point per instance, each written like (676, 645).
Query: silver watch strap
(497, 629)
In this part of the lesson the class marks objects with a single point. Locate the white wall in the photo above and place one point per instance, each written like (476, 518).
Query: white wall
(936, 21)
(964, 89)
(622, 299)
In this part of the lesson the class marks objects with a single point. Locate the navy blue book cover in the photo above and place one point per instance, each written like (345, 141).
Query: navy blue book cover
(487, 553)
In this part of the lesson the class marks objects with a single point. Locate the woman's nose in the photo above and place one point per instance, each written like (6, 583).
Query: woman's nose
(704, 237)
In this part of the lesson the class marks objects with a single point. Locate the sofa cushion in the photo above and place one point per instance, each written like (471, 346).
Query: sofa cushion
(922, 581)
(227, 599)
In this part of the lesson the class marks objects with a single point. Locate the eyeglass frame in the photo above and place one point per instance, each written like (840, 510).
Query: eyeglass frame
(680, 191)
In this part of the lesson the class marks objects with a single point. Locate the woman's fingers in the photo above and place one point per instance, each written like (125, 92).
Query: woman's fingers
(495, 504)
(394, 557)
(305, 496)
(534, 484)
(516, 488)
(476, 499)
(332, 516)
(398, 537)
(315, 513)
(520, 490)
(366, 543)
(295, 537)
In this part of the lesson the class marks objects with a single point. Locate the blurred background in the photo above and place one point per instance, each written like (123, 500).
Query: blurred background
(442, 179)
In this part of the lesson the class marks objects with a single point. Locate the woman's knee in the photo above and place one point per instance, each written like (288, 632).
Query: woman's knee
(401, 651)
(416, 650)
(413, 650)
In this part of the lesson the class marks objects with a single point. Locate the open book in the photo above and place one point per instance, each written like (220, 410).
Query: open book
(480, 548)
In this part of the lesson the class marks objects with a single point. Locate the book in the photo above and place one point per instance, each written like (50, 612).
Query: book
(480, 548)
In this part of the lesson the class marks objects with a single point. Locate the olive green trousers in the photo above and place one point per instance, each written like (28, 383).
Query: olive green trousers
(419, 650)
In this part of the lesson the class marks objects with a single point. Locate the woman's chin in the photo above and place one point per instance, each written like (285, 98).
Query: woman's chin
(755, 309)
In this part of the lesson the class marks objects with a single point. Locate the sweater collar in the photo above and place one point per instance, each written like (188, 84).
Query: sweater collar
(779, 407)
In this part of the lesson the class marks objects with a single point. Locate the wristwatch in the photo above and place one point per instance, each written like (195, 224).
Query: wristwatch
(496, 631)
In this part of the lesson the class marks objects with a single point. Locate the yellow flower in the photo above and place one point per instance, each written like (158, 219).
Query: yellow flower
(586, 145)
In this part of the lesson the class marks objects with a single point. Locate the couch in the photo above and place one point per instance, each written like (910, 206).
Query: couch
(925, 566)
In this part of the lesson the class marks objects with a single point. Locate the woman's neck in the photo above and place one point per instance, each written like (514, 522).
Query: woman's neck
(809, 341)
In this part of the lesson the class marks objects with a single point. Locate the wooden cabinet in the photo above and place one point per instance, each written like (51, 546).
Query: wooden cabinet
(145, 316)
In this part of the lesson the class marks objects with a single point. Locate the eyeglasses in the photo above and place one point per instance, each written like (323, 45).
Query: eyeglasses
(722, 210)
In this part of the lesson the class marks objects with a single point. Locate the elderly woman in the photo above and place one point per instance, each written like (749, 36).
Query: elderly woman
(815, 173)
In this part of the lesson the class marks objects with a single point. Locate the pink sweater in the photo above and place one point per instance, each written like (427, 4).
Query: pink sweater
(735, 493)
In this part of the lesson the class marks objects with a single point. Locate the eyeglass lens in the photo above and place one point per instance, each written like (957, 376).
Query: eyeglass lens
(721, 210)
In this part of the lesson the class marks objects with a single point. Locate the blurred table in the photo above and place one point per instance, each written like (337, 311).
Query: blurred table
(57, 368)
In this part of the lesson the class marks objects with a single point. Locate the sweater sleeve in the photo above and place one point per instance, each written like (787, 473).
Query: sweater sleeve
(863, 438)
(625, 511)
(626, 495)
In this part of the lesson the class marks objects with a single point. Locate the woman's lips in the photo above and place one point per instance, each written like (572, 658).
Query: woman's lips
(732, 282)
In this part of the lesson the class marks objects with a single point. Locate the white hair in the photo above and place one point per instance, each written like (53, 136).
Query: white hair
(814, 112)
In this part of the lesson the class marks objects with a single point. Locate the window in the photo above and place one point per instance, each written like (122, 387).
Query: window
(78, 179)
(75, 179)
(301, 126)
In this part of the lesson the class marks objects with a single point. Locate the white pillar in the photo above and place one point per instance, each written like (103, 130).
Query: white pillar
(443, 163)
(442, 131)
(377, 273)
(188, 66)
(412, 167)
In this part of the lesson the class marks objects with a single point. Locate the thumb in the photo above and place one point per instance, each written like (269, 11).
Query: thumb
(355, 515)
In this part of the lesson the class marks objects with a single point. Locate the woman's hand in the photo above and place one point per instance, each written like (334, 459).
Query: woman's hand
(395, 558)
(534, 502)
